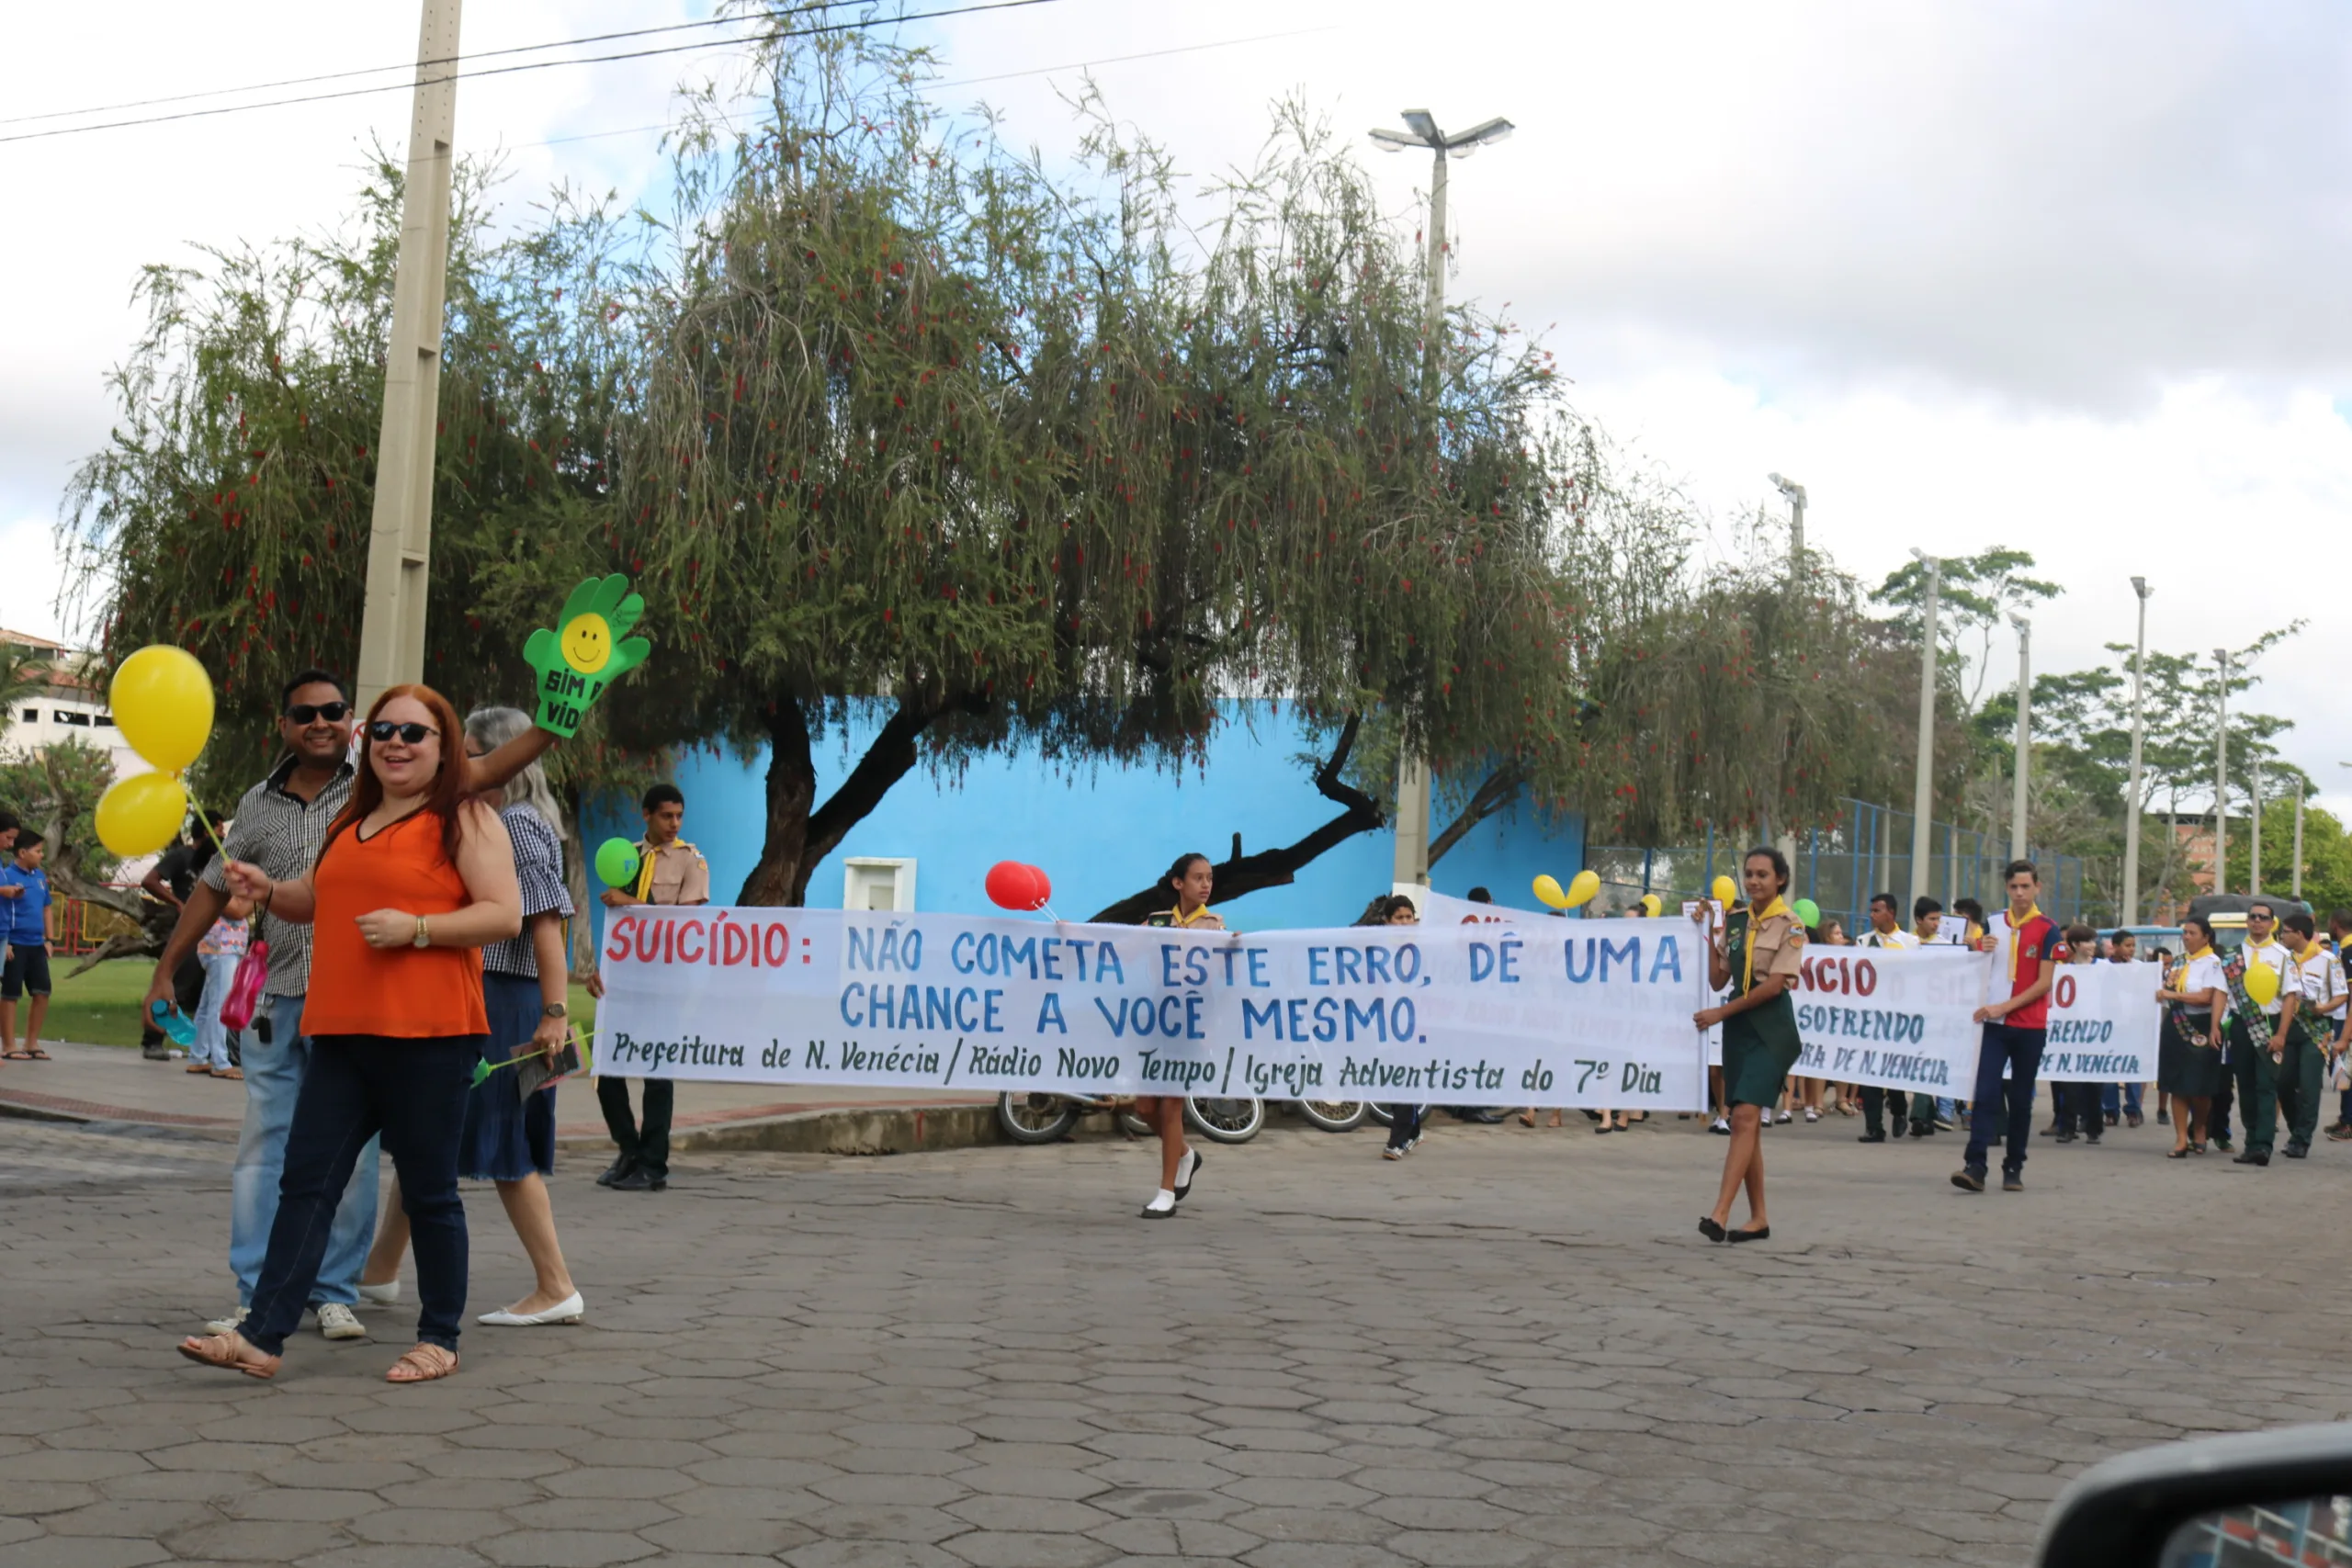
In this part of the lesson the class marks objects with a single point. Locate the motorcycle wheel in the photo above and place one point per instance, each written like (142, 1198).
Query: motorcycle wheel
(1335, 1115)
(1225, 1120)
(1035, 1118)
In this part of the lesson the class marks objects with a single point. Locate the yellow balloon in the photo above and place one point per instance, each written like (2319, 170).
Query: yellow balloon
(1725, 892)
(1582, 886)
(2262, 983)
(1651, 905)
(140, 816)
(162, 704)
(1547, 890)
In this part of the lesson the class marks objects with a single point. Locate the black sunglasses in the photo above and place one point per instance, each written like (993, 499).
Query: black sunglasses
(304, 713)
(412, 734)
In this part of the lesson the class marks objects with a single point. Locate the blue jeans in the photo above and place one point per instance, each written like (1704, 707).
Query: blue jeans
(2018, 1051)
(2114, 1099)
(274, 1075)
(212, 1034)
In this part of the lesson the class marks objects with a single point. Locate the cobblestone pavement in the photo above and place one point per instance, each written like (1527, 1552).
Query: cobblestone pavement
(1512, 1349)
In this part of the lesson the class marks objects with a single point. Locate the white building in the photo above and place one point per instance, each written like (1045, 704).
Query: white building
(69, 707)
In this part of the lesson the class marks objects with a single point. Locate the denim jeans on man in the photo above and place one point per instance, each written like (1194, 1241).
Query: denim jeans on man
(413, 1093)
(274, 1076)
(2019, 1051)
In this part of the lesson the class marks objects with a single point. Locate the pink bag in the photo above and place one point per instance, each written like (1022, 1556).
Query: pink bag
(244, 989)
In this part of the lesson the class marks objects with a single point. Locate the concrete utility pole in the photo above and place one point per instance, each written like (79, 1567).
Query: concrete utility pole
(1795, 493)
(1923, 791)
(2296, 892)
(2254, 847)
(2221, 776)
(2025, 736)
(400, 535)
(1413, 769)
(2131, 910)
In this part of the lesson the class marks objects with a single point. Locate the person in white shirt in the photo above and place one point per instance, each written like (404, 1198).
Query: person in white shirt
(2255, 1070)
(1886, 932)
(2195, 997)
(2309, 992)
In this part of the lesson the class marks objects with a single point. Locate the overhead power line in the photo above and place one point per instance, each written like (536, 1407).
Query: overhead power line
(530, 66)
(412, 65)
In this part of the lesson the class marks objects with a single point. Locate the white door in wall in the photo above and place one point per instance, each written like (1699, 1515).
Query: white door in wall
(875, 883)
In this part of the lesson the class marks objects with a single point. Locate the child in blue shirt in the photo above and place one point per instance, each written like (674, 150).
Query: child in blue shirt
(24, 911)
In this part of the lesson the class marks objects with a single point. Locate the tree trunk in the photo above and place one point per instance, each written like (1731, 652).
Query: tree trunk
(780, 876)
(1500, 788)
(1241, 874)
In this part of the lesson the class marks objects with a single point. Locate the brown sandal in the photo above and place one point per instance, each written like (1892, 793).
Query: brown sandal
(227, 1351)
(424, 1364)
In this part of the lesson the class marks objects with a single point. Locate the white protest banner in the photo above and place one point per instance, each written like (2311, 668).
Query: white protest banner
(1586, 1013)
(1907, 1020)
(1444, 909)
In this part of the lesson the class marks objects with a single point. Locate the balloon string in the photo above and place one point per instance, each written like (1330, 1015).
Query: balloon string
(204, 820)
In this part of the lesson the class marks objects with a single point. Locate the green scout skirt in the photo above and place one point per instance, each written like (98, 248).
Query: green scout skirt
(1760, 1047)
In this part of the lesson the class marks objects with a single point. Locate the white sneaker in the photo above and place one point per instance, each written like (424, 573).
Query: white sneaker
(572, 1309)
(337, 1321)
(233, 1321)
(384, 1295)
(1392, 1152)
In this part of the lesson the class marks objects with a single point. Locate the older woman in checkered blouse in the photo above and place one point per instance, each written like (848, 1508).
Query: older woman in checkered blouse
(509, 1137)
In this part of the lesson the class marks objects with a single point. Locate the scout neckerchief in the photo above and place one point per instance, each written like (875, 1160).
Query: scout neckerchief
(1176, 917)
(1756, 917)
(2016, 937)
(645, 866)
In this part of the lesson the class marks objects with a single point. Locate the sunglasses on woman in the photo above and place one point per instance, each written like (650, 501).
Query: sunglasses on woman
(409, 734)
(305, 712)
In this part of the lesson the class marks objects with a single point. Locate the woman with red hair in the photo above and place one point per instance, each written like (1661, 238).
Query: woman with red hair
(414, 878)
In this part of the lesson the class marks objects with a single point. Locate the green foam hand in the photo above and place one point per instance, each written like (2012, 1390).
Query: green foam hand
(589, 649)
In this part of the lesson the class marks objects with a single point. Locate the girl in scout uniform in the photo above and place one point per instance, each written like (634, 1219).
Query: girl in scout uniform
(1757, 959)
(1191, 880)
(2189, 1057)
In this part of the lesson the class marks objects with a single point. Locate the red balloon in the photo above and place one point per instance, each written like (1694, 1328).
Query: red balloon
(1040, 886)
(1008, 886)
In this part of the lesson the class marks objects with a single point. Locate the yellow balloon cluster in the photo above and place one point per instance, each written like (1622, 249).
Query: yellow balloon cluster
(1580, 890)
(1725, 892)
(163, 705)
(2262, 983)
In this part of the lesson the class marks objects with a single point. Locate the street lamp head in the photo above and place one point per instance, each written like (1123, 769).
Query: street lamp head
(2023, 624)
(2140, 586)
(1425, 127)
(1396, 140)
(1922, 557)
(1793, 490)
(1485, 135)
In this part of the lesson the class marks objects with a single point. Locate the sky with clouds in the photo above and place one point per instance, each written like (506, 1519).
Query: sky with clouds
(1977, 273)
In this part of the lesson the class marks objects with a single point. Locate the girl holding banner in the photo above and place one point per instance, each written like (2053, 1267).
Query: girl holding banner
(1757, 959)
(1192, 880)
(2189, 1059)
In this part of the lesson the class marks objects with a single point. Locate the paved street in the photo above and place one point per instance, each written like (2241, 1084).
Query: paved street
(1512, 1349)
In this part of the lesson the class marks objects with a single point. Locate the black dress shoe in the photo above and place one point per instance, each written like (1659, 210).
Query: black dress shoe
(2252, 1157)
(1872, 1138)
(615, 1171)
(2298, 1151)
(632, 1180)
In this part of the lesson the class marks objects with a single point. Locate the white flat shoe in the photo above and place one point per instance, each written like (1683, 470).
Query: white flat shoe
(572, 1309)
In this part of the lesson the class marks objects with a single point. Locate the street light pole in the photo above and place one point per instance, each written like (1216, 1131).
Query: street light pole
(2131, 910)
(2296, 891)
(2253, 846)
(2025, 736)
(400, 531)
(1413, 863)
(1795, 493)
(2221, 776)
(1923, 797)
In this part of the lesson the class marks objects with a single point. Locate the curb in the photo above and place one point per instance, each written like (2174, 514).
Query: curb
(853, 1130)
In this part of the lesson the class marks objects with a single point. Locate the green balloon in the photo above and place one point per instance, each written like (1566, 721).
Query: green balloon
(616, 863)
(1806, 909)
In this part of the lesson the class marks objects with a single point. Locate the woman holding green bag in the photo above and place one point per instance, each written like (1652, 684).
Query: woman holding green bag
(1757, 959)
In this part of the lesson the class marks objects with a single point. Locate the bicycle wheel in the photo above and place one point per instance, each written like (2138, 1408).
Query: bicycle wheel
(1381, 1114)
(1225, 1120)
(1035, 1118)
(1335, 1115)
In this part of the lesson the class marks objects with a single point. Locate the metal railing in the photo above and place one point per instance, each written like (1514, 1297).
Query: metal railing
(1838, 867)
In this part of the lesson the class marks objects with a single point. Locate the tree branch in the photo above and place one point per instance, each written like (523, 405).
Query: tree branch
(1242, 874)
(1500, 788)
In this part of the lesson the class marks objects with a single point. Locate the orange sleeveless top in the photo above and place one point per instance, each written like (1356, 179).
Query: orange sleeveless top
(405, 992)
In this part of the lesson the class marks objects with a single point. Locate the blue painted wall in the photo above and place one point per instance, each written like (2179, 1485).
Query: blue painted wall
(1104, 831)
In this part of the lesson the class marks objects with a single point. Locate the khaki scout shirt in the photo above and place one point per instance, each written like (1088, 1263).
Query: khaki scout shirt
(679, 874)
(1779, 944)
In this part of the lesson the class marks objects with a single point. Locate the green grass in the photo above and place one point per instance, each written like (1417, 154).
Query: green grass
(101, 1007)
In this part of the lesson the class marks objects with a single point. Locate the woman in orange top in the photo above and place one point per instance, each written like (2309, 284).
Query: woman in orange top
(413, 880)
